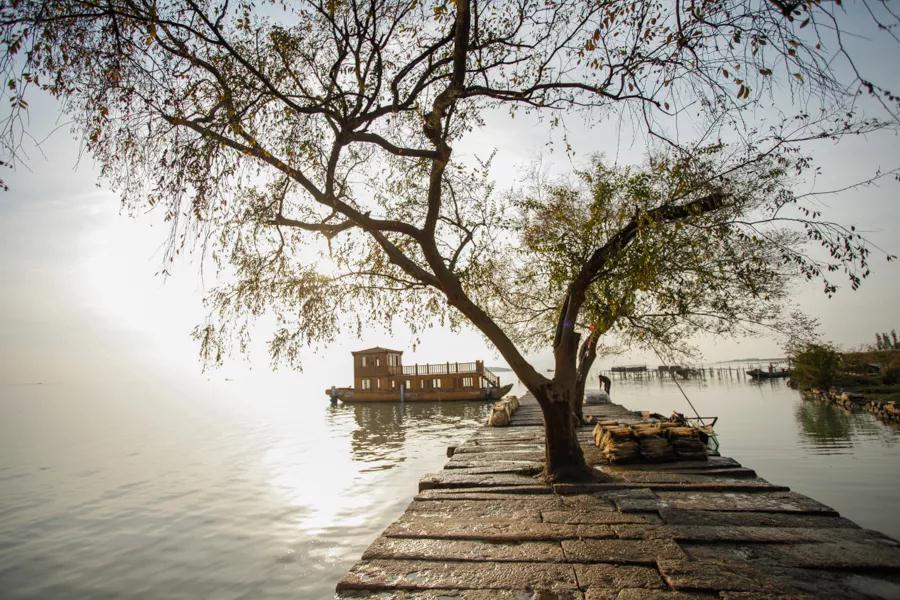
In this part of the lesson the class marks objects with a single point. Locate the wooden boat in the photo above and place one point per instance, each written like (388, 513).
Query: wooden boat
(379, 375)
(774, 374)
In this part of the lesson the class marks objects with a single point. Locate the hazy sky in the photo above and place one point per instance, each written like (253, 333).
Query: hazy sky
(81, 299)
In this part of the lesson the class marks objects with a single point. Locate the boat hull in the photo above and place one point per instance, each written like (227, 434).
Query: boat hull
(760, 374)
(348, 395)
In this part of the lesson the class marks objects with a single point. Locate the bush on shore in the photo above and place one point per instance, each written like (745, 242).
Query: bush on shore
(815, 366)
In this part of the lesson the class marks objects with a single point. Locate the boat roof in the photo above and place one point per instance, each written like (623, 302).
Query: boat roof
(377, 350)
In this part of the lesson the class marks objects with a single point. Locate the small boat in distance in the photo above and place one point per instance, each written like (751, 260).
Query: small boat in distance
(770, 374)
(379, 375)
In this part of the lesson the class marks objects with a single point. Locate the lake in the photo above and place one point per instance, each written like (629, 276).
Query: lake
(225, 491)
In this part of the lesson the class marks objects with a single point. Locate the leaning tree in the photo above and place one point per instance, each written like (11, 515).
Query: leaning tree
(309, 146)
(668, 275)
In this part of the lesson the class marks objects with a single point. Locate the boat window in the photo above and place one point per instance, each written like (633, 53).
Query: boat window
(409, 384)
(378, 383)
(377, 362)
(364, 360)
(393, 384)
(423, 384)
(367, 384)
(468, 382)
(436, 383)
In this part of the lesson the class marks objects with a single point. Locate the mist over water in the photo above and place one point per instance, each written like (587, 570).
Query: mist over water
(222, 490)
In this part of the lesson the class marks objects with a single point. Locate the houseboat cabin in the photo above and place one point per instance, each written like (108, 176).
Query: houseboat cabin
(380, 375)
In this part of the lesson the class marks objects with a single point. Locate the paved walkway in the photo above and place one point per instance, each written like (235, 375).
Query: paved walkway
(485, 528)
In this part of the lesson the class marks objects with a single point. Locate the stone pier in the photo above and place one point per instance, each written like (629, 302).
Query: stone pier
(486, 528)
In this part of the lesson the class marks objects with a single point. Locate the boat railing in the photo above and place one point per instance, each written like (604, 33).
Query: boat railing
(474, 368)
(435, 369)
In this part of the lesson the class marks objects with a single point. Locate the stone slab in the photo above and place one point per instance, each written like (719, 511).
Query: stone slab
(766, 580)
(489, 505)
(494, 530)
(521, 469)
(643, 594)
(621, 551)
(440, 594)
(475, 509)
(779, 502)
(714, 462)
(729, 533)
(606, 576)
(468, 462)
(452, 478)
(869, 555)
(424, 575)
(749, 518)
(466, 550)
(717, 576)
(528, 455)
(489, 493)
(584, 517)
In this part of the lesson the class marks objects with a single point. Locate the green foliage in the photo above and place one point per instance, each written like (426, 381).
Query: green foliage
(704, 272)
(815, 366)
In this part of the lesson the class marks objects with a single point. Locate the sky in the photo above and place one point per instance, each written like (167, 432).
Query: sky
(82, 299)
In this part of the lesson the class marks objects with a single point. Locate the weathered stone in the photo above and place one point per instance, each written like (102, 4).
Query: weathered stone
(767, 596)
(617, 576)
(587, 502)
(621, 551)
(495, 493)
(714, 462)
(872, 554)
(469, 462)
(639, 594)
(423, 575)
(727, 533)
(709, 478)
(494, 530)
(442, 549)
(488, 448)
(452, 479)
(499, 454)
(463, 595)
(600, 594)
(513, 509)
(761, 519)
(576, 517)
(717, 575)
(736, 501)
(526, 469)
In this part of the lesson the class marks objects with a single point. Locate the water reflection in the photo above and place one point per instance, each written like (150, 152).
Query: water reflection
(829, 429)
(382, 427)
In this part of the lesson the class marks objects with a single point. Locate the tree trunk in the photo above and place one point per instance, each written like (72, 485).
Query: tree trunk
(564, 460)
(578, 399)
(586, 355)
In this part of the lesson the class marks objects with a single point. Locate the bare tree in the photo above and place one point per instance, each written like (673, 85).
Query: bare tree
(310, 148)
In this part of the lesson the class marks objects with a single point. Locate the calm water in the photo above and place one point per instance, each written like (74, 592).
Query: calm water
(220, 491)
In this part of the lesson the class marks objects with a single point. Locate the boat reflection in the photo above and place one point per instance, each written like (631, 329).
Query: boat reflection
(381, 430)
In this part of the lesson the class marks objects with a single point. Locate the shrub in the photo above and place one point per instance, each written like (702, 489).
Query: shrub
(890, 373)
(815, 366)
